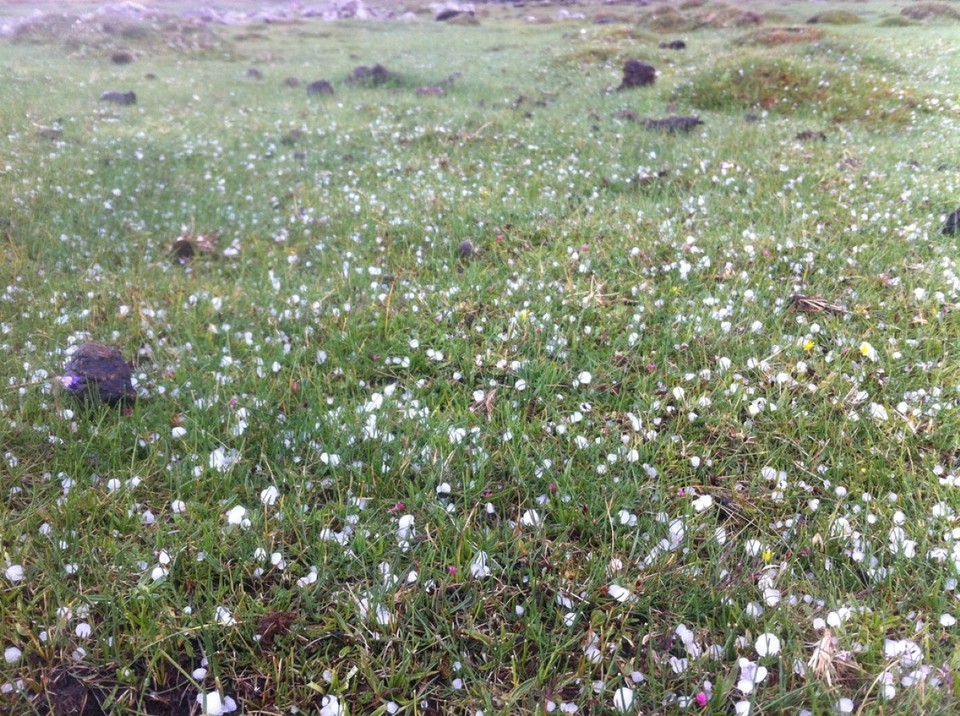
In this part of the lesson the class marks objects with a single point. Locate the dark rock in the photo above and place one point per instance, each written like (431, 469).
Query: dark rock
(125, 98)
(637, 74)
(99, 374)
(254, 74)
(186, 247)
(673, 45)
(291, 82)
(808, 135)
(952, 224)
(446, 14)
(320, 87)
(122, 57)
(673, 124)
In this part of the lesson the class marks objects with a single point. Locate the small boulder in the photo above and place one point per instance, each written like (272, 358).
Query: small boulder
(673, 45)
(291, 82)
(122, 57)
(124, 98)
(808, 135)
(98, 374)
(637, 74)
(254, 74)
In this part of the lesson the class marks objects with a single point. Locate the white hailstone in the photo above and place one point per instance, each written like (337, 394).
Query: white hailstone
(210, 704)
(12, 654)
(158, 573)
(456, 435)
(14, 573)
(751, 674)
(619, 593)
(569, 619)
(444, 488)
(237, 515)
(947, 620)
(113, 484)
(178, 507)
(753, 547)
(224, 616)
(878, 412)
(178, 433)
(623, 699)
(83, 630)
(531, 518)
(308, 579)
(584, 378)
(845, 706)
(478, 567)
(767, 644)
(269, 495)
(405, 528)
(330, 706)
(200, 673)
(702, 503)
(742, 708)
(679, 393)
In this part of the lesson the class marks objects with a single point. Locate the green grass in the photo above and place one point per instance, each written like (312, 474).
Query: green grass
(612, 392)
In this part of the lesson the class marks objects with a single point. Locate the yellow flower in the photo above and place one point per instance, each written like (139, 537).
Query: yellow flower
(766, 555)
(868, 351)
(808, 344)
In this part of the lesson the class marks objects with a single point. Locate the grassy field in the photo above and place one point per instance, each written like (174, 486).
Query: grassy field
(676, 430)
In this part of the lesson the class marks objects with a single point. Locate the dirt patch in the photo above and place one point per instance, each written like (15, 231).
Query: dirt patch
(716, 16)
(930, 10)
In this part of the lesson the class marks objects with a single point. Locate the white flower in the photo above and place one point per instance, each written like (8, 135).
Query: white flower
(210, 704)
(14, 573)
(868, 351)
(12, 654)
(623, 699)
(751, 674)
(767, 644)
(269, 495)
(478, 567)
(222, 459)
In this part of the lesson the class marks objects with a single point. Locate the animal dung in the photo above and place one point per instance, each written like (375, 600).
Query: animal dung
(465, 249)
(188, 246)
(98, 373)
(673, 45)
(673, 124)
(952, 224)
(124, 98)
(637, 74)
(320, 87)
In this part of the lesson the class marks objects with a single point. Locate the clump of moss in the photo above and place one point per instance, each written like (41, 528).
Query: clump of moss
(835, 17)
(930, 10)
(777, 36)
(794, 86)
(896, 21)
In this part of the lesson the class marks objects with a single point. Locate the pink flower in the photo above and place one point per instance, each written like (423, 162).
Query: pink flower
(451, 570)
(701, 699)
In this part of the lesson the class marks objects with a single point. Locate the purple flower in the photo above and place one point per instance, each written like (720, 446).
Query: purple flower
(72, 383)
